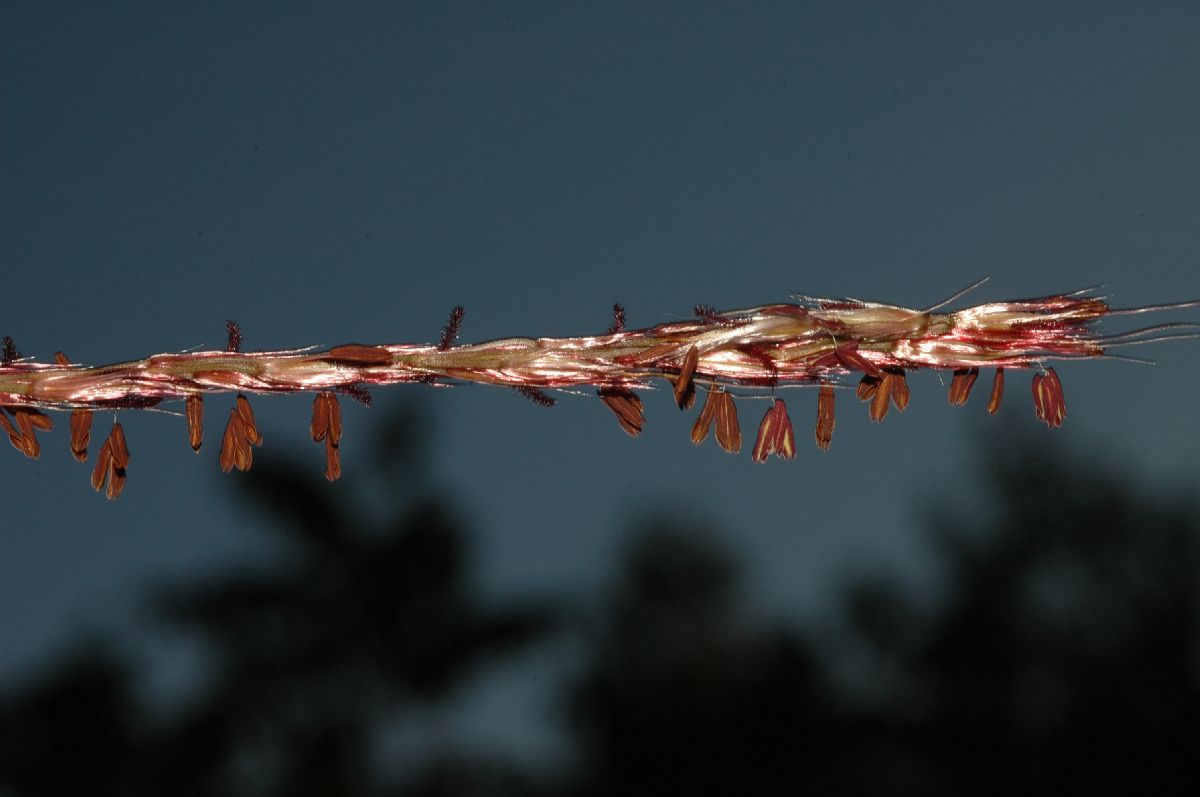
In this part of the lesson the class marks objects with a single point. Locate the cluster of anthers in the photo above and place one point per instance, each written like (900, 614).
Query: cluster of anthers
(741, 354)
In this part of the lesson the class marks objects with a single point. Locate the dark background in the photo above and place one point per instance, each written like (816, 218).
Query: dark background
(327, 175)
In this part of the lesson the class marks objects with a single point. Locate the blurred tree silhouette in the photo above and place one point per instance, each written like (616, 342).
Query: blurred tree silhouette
(1062, 649)
(359, 618)
(74, 729)
(684, 694)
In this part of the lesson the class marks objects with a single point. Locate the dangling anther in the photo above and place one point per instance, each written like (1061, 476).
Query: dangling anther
(194, 409)
(1048, 402)
(961, 384)
(81, 433)
(825, 418)
(899, 389)
(719, 407)
(997, 392)
(23, 437)
(775, 434)
(327, 425)
(240, 433)
(111, 463)
(685, 388)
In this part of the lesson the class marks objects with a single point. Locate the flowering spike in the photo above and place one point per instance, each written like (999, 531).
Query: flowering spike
(81, 433)
(627, 406)
(997, 392)
(809, 342)
(194, 409)
(1048, 402)
(775, 434)
(825, 419)
(961, 384)
(451, 330)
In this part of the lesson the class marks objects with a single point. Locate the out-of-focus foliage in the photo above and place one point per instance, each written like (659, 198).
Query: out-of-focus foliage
(1061, 647)
(359, 620)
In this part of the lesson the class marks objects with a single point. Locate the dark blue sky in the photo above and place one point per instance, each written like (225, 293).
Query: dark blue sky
(331, 174)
